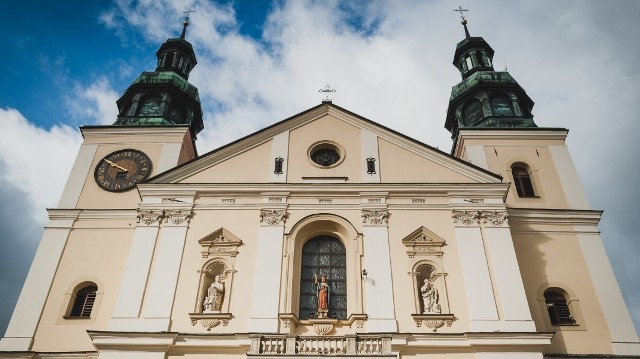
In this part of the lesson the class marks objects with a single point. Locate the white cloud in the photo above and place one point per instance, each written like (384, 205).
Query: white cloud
(94, 104)
(34, 160)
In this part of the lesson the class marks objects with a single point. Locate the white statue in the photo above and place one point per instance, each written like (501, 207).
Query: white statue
(215, 295)
(430, 298)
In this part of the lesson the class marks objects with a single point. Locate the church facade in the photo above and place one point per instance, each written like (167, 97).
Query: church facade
(325, 234)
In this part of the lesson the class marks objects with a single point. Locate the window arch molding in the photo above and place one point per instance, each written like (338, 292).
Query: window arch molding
(311, 227)
(573, 303)
(69, 299)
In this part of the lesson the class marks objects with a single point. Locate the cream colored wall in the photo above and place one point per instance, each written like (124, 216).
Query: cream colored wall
(502, 152)
(401, 224)
(244, 224)
(96, 251)
(322, 129)
(397, 165)
(251, 166)
(550, 256)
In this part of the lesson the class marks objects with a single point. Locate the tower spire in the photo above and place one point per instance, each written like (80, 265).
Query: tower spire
(185, 23)
(464, 20)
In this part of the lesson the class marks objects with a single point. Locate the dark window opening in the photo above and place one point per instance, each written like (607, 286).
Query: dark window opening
(323, 255)
(523, 183)
(83, 304)
(558, 309)
(472, 112)
(501, 106)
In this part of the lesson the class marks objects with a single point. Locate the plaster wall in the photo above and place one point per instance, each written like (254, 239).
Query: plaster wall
(553, 258)
(92, 254)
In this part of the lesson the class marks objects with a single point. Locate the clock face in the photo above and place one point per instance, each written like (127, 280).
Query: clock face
(122, 170)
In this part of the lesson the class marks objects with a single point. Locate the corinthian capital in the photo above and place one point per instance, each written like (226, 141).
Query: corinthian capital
(177, 216)
(273, 217)
(375, 217)
(150, 216)
(467, 218)
(495, 218)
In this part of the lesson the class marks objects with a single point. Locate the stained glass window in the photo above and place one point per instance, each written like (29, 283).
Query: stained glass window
(323, 255)
(325, 157)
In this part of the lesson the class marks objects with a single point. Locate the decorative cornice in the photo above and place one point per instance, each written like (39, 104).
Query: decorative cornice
(423, 242)
(220, 242)
(273, 217)
(477, 217)
(375, 217)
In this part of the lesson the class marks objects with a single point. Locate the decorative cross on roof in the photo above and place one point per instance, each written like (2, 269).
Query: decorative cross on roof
(464, 20)
(461, 11)
(327, 89)
(188, 13)
(186, 22)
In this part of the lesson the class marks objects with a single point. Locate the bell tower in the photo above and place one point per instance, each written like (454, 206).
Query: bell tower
(164, 97)
(485, 98)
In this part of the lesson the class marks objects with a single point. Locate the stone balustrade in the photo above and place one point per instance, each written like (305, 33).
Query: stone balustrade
(353, 344)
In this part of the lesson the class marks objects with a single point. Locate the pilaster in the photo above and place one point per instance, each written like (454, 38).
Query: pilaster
(377, 262)
(266, 285)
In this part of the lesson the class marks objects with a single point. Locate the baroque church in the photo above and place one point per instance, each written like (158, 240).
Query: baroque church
(323, 235)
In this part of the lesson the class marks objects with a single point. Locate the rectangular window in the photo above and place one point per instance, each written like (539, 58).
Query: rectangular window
(278, 165)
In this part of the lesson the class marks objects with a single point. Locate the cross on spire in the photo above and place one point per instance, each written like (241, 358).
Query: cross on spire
(464, 20)
(186, 22)
(327, 90)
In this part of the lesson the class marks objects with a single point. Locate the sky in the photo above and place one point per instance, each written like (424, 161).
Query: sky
(64, 64)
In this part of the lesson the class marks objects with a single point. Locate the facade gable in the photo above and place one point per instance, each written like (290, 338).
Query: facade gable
(367, 151)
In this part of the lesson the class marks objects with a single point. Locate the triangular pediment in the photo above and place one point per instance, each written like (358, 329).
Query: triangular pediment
(423, 242)
(398, 158)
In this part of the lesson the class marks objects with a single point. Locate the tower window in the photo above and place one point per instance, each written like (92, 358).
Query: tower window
(177, 112)
(479, 58)
(469, 63)
(472, 112)
(522, 181)
(83, 303)
(558, 308)
(323, 256)
(150, 106)
(501, 105)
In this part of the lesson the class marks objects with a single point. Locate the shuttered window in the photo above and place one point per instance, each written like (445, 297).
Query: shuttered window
(523, 183)
(83, 304)
(558, 309)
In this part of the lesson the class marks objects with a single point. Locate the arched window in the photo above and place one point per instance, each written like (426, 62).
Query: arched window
(501, 105)
(558, 308)
(177, 112)
(150, 106)
(522, 181)
(83, 302)
(479, 59)
(323, 256)
(472, 112)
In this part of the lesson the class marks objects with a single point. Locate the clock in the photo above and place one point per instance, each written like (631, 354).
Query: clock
(122, 170)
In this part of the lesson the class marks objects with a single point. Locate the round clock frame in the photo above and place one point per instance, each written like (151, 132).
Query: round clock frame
(122, 170)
